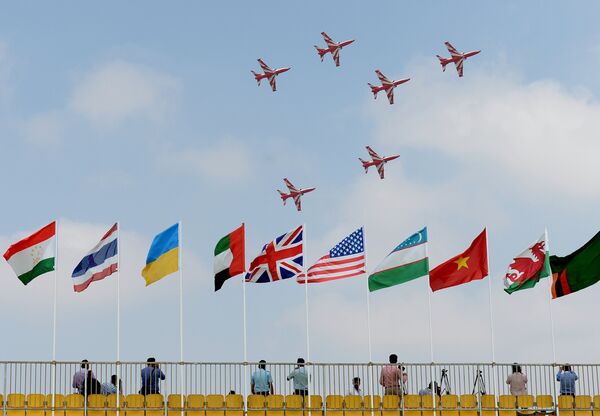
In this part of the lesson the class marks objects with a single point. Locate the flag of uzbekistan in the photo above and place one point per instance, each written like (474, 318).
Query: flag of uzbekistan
(98, 263)
(408, 261)
(163, 256)
(33, 255)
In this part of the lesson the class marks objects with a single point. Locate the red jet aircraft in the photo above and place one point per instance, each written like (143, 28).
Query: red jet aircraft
(269, 73)
(294, 193)
(457, 57)
(377, 161)
(333, 48)
(386, 85)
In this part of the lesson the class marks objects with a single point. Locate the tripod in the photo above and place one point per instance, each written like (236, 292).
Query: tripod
(444, 383)
(479, 384)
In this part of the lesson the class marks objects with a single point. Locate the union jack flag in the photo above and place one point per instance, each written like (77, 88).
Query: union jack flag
(280, 259)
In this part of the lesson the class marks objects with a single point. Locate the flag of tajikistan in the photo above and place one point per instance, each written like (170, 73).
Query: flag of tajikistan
(408, 261)
(33, 255)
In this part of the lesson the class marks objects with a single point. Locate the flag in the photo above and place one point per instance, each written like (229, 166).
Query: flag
(346, 259)
(230, 259)
(406, 262)
(33, 255)
(470, 265)
(280, 259)
(98, 263)
(528, 267)
(163, 256)
(576, 271)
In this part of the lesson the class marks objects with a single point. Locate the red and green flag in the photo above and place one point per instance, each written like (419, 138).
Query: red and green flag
(576, 271)
(528, 267)
(230, 259)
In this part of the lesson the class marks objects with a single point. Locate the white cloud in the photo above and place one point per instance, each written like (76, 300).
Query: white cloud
(225, 161)
(537, 137)
(117, 91)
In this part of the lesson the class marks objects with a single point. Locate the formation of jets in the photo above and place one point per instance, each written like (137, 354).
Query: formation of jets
(376, 160)
(387, 85)
(334, 48)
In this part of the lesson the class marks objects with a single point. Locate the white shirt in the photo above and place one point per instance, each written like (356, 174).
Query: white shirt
(353, 392)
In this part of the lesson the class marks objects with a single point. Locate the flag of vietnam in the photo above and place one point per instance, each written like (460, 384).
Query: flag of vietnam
(472, 264)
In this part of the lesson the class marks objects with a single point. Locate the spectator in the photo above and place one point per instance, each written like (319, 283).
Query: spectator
(92, 385)
(355, 389)
(404, 380)
(261, 381)
(517, 381)
(111, 388)
(567, 379)
(300, 378)
(151, 377)
(80, 376)
(390, 377)
(427, 391)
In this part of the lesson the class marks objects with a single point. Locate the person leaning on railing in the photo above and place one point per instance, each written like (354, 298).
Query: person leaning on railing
(300, 377)
(517, 381)
(390, 377)
(151, 377)
(261, 381)
(567, 379)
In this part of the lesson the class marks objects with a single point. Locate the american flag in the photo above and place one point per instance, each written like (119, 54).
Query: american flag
(346, 259)
(281, 259)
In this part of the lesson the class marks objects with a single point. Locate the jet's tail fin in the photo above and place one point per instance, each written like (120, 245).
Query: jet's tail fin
(374, 90)
(283, 196)
(257, 77)
(442, 62)
(365, 164)
(321, 52)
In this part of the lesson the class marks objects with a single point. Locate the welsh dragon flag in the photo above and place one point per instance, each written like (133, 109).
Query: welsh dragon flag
(528, 267)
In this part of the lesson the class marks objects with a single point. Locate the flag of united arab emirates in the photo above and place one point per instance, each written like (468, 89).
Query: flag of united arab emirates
(229, 257)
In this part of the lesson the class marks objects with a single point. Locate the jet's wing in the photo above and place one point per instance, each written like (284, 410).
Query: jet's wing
(380, 168)
(336, 56)
(264, 66)
(459, 66)
(382, 77)
(328, 40)
(452, 50)
(373, 153)
(273, 82)
(290, 186)
(298, 202)
(390, 95)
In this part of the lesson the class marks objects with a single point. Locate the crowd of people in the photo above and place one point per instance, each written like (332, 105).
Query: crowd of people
(393, 379)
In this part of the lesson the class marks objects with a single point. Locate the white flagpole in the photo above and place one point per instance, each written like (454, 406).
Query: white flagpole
(180, 264)
(431, 372)
(306, 307)
(487, 254)
(245, 328)
(368, 299)
(118, 316)
(550, 300)
(54, 319)
(55, 292)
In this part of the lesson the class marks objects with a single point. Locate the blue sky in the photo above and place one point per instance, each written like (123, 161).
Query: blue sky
(146, 113)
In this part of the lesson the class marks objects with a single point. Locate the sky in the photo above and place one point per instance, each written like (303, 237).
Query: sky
(146, 113)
